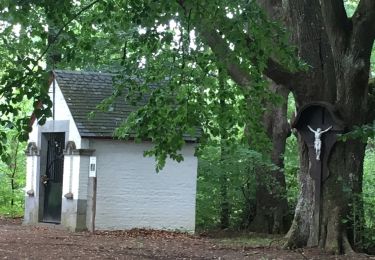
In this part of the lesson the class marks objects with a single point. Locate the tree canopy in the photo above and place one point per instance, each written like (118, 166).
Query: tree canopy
(146, 43)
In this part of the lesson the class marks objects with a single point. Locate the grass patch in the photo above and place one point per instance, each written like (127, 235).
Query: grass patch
(247, 239)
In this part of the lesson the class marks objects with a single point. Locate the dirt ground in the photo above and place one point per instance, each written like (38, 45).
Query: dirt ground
(46, 242)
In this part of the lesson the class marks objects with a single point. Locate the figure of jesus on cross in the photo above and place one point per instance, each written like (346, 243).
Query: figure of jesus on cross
(318, 142)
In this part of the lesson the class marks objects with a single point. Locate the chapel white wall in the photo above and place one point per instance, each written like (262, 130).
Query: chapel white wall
(130, 194)
(63, 122)
(62, 114)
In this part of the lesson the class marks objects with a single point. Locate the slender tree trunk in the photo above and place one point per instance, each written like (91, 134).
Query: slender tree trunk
(13, 188)
(13, 166)
(224, 206)
(271, 201)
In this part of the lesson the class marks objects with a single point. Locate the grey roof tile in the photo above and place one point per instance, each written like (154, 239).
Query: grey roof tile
(83, 91)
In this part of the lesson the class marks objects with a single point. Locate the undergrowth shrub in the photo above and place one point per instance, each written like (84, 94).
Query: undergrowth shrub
(238, 165)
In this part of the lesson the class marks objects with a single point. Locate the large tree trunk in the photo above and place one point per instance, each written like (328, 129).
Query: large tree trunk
(271, 201)
(339, 75)
(338, 195)
(337, 50)
(305, 23)
(340, 221)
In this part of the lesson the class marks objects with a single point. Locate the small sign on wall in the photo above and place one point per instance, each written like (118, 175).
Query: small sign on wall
(92, 166)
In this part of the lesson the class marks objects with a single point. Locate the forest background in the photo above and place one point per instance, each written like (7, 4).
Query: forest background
(229, 165)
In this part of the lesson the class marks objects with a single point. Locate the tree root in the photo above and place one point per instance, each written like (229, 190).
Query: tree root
(346, 247)
(335, 240)
(293, 240)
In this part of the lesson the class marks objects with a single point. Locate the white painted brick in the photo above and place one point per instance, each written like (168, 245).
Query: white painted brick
(130, 194)
(62, 113)
(83, 177)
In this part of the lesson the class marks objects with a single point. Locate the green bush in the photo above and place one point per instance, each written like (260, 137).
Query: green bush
(291, 170)
(7, 196)
(12, 177)
(236, 167)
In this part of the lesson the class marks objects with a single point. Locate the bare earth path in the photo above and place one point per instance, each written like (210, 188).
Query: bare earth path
(25, 242)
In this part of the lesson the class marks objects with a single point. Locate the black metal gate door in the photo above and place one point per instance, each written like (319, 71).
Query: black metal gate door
(53, 177)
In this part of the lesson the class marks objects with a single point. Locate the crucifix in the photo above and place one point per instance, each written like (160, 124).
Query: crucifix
(318, 142)
(318, 125)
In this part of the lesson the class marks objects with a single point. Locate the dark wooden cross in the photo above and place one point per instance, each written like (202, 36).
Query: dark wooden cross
(309, 118)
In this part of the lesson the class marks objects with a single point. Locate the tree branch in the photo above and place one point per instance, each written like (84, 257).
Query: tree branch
(63, 27)
(274, 70)
(337, 24)
(364, 28)
(221, 50)
(279, 74)
(224, 54)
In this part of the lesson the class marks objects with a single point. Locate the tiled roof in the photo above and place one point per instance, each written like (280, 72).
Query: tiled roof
(83, 91)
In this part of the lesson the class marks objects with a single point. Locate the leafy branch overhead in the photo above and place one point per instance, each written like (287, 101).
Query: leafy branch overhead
(159, 43)
(178, 46)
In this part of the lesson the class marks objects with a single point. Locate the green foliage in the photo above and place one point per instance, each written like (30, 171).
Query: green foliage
(147, 43)
(22, 75)
(365, 131)
(291, 170)
(12, 176)
(239, 166)
(350, 6)
(12, 161)
(291, 159)
(187, 96)
(360, 132)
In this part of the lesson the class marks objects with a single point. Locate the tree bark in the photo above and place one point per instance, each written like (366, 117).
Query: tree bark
(339, 75)
(299, 232)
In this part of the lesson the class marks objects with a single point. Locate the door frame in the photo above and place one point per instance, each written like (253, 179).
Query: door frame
(51, 188)
(56, 126)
